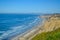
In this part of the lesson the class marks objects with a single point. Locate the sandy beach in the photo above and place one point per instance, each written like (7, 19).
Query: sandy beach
(30, 33)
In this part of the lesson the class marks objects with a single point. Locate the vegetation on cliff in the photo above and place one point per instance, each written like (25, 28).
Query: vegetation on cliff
(53, 35)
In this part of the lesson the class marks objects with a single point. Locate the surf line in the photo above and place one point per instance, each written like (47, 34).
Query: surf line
(35, 22)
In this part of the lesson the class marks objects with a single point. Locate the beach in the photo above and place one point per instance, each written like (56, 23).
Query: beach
(30, 33)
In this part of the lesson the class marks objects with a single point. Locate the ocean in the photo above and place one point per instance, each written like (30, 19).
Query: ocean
(14, 24)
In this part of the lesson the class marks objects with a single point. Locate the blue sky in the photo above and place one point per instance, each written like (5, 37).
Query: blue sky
(29, 6)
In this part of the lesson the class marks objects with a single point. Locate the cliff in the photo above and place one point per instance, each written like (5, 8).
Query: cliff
(52, 23)
(50, 29)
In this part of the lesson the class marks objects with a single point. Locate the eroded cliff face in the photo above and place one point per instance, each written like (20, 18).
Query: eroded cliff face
(50, 29)
(52, 23)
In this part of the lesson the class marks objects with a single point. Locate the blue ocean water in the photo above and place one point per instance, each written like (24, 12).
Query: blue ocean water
(13, 24)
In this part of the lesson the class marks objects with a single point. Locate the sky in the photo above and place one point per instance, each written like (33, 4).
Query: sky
(29, 6)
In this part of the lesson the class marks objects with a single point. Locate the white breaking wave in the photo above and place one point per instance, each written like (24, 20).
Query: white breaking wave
(18, 28)
(2, 31)
(10, 31)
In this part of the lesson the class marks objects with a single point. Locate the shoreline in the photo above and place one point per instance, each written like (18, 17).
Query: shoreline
(28, 34)
(9, 36)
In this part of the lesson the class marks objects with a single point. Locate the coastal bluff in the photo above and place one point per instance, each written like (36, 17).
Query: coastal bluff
(50, 29)
(52, 22)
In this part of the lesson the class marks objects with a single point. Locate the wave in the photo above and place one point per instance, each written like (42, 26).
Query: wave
(20, 29)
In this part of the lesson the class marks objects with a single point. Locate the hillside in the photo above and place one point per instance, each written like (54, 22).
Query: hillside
(53, 35)
(51, 29)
